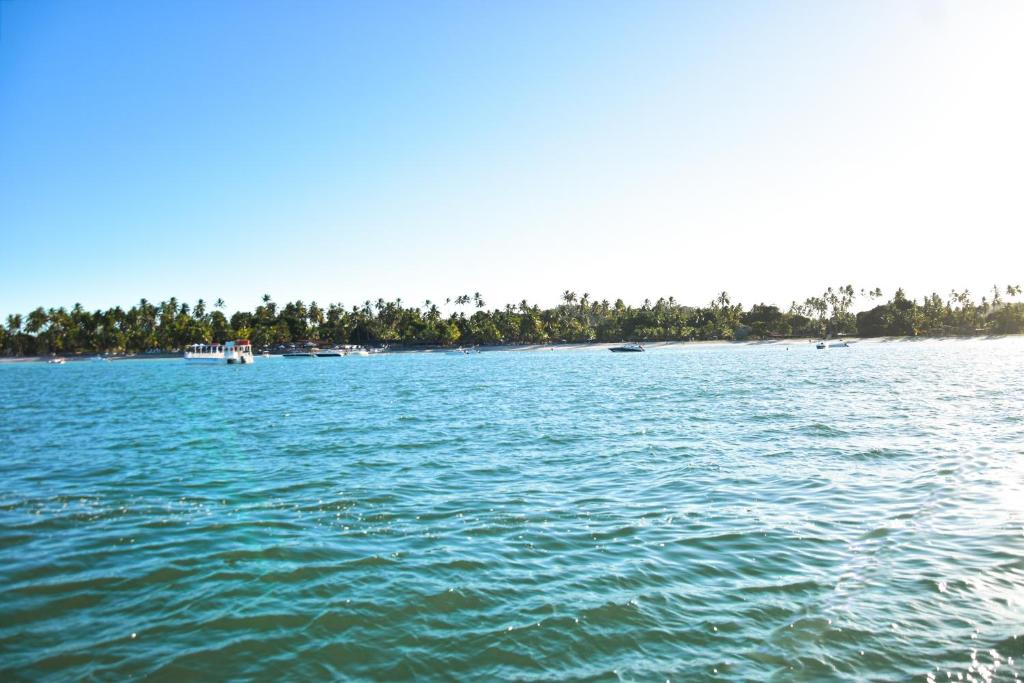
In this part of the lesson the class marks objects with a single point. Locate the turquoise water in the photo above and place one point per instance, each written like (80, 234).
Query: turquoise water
(691, 513)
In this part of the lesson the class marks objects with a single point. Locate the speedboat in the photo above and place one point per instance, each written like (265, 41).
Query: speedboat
(329, 353)
(839, 345)
(302, 353)
(56, 361)
(820, 345)
(632, 347)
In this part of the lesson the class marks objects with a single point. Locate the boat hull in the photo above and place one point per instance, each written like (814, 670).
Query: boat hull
(236, 359)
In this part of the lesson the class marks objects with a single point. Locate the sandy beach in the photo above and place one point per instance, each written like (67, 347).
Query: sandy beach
(561, 346)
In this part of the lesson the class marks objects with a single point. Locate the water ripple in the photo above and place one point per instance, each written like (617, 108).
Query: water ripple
(693, 513)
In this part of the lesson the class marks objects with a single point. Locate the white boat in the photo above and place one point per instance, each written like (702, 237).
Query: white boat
(632, 347)
(302, 353)
(466, 350)
(100, 359)
(353, 350)
(839, 345)
(333, 352)
(56, 361)
(234, 352)
(821, 345)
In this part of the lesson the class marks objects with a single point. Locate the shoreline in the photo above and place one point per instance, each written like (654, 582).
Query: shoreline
(558, 346)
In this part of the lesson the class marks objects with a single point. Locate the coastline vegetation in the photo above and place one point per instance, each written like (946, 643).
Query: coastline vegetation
(171, 325)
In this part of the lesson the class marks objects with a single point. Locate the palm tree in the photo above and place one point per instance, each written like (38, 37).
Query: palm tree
(14, 323)
(315, 314)
(37, 319)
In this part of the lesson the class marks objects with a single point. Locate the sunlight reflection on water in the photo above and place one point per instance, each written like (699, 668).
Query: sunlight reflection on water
(693, 512)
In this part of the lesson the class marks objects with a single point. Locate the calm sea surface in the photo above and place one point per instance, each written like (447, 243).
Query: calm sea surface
(690, 513)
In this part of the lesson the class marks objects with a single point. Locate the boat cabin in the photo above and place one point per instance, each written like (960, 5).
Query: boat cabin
(231, 352)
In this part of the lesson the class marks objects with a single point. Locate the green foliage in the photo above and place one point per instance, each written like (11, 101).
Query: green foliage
(957, 315)
(172, 325)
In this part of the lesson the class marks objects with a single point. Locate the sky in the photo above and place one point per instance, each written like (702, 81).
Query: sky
(345, 151)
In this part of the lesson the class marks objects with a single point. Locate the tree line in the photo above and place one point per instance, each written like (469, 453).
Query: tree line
(465, 319)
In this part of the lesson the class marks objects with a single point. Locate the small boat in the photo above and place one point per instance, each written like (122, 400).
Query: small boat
(234, 352)
(839, 345)
(56, 361)
(820, 345)
(265, 355)
(632, 347)
(302, 353)
(335, 351)
(100, 359)
(465, 350)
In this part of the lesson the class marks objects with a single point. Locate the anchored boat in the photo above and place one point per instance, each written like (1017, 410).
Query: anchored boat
(238, 352)
(627, 348)
(302, 353)
(465, 350)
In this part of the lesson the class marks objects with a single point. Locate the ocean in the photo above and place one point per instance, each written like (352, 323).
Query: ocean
(695, 512)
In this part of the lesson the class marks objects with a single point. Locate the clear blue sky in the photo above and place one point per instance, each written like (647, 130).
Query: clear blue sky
(341, 151)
